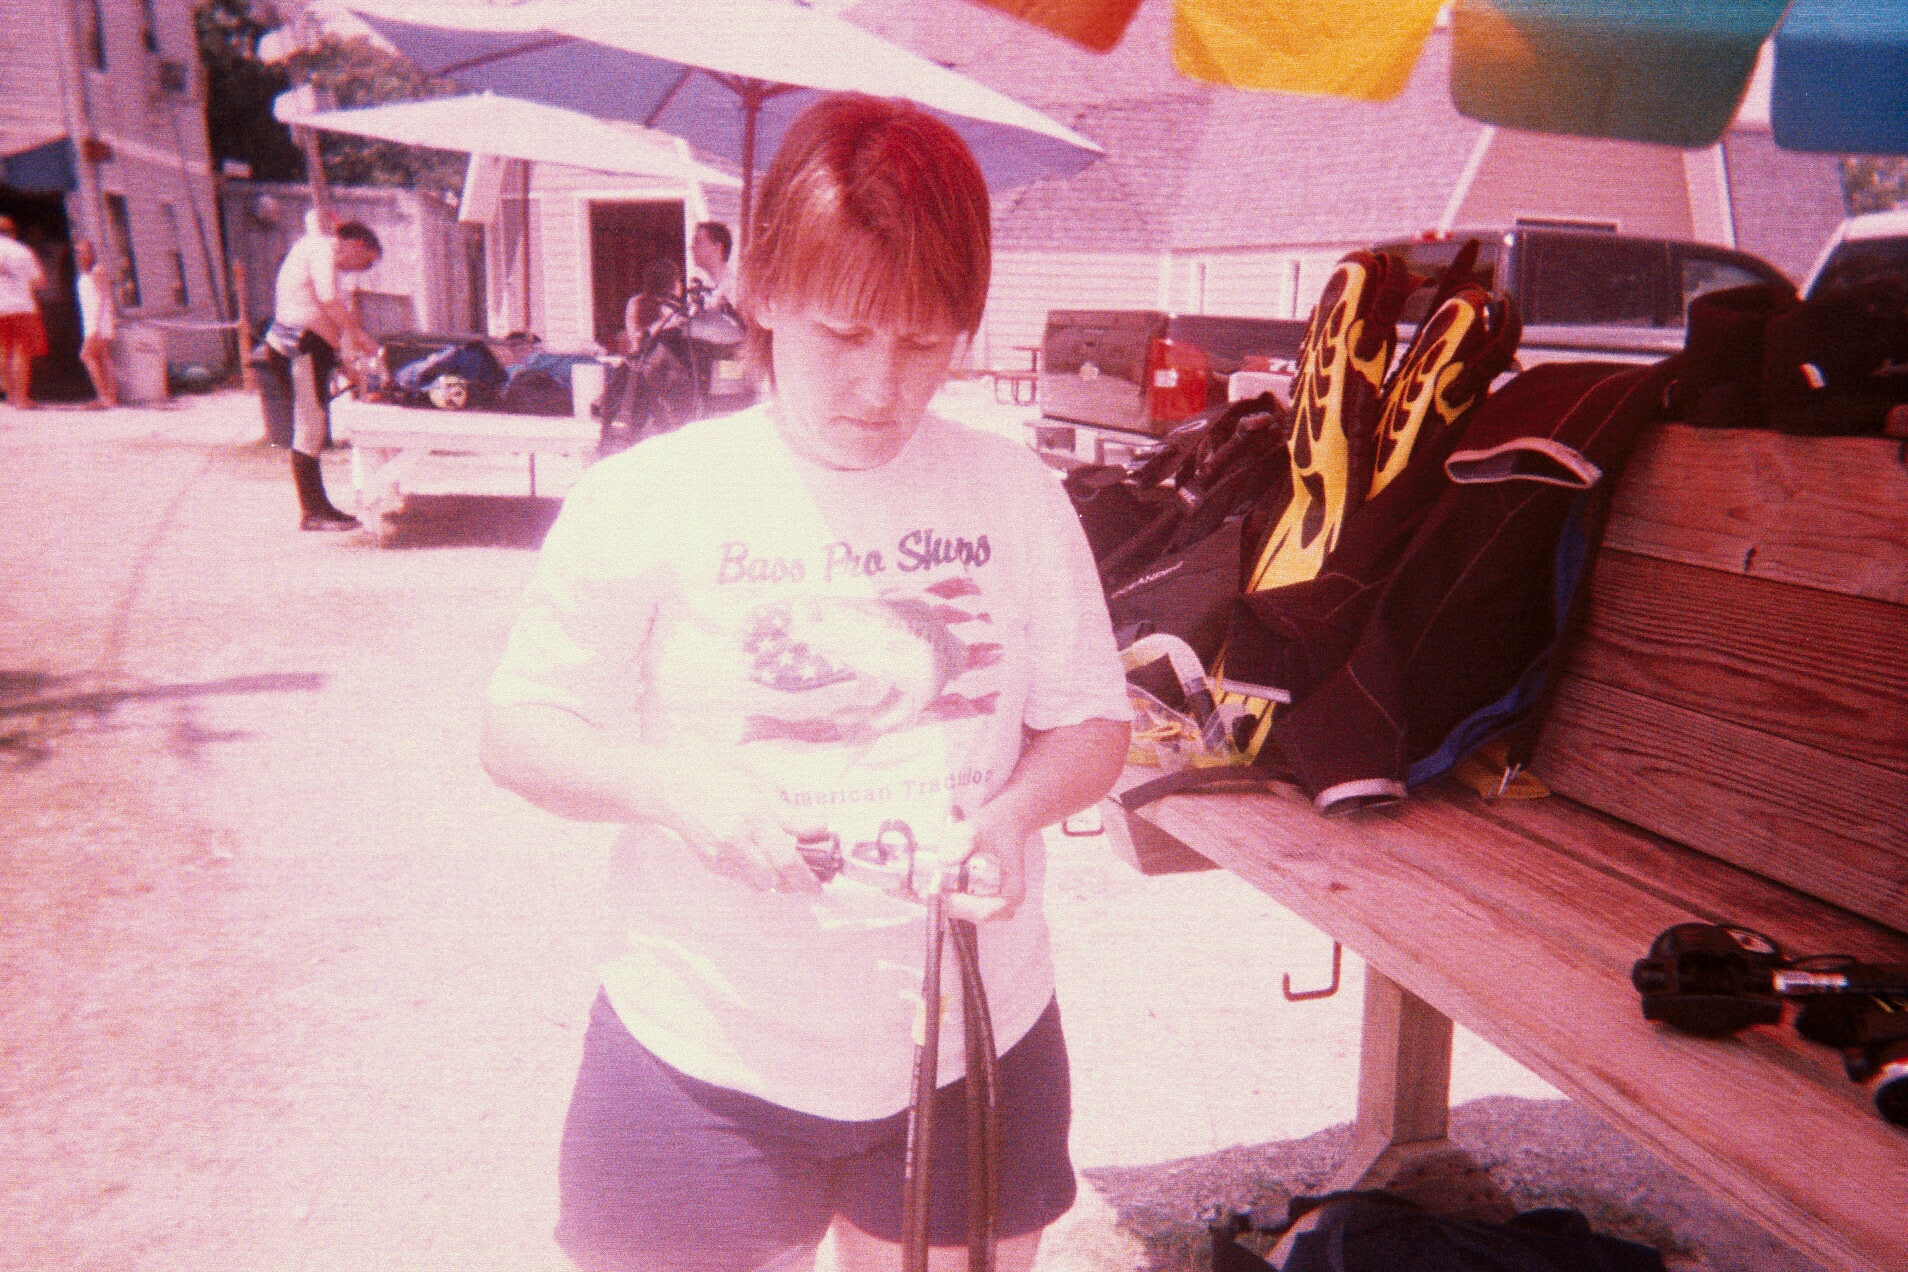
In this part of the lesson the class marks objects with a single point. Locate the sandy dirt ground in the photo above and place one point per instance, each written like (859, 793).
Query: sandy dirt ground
(285, 983)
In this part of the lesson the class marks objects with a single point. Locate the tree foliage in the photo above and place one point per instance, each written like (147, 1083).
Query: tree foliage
(353, 72)
(239, 93)
(1874, 183)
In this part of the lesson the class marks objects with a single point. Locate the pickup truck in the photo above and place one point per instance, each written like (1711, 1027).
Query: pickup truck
(1588, 293)
(1112, 381)
(1873, 245)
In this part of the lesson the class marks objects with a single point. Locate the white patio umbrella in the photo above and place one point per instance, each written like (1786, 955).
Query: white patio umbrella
(492, 127)
(504, 127)
(728, 76)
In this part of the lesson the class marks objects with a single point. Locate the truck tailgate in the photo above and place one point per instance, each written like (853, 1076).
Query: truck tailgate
(1093, 366)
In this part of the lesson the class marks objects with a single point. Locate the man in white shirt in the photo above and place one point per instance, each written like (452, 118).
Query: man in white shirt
(22, 335)
(709, 248)
(313, 321)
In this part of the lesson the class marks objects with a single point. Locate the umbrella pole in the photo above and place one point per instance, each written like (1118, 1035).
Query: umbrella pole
(751, 108)
(524, 189)
(751, 93)
(307, 139)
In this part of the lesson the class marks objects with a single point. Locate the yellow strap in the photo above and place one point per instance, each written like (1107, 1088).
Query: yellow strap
(1487, 771)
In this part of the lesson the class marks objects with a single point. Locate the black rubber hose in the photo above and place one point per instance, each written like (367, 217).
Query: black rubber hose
(915, 1175)
(983, 1103)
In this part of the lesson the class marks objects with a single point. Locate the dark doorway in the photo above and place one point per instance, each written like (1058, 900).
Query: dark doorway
(477, 285)
(57, 377)
(624, 239)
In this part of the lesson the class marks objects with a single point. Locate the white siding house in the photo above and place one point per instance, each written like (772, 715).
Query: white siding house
(589, 236)
(102, 133)
(1027, 284)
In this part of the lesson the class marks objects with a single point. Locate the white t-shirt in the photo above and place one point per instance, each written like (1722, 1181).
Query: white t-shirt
(96, 315)
(307, 276)
(717, 285)
(20, 273)
(869, 644)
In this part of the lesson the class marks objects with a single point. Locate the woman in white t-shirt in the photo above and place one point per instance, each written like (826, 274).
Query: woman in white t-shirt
(98, 322)
(830, 611)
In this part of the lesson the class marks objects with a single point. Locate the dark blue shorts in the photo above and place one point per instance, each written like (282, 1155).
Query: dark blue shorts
(660, 1171)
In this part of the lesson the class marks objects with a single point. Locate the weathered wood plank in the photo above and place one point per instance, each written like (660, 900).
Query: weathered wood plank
(1705, 887)
(1404, 1073)
(1529, 945)
(1824, 669)
(1834, 828)
(1824, 512)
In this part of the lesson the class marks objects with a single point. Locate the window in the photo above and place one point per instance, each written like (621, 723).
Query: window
(180, 296)
(1703, 273)
(119, 222)
(94, 36)
(1595, 280)
(1857, 261)
(1430, 260)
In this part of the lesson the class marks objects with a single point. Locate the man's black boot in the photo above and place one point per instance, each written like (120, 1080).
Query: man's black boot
(315, 507)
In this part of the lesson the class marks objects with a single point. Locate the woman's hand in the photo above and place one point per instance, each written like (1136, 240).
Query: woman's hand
(995, 833)
(1060, 772)
(741, 832)
(562, 764)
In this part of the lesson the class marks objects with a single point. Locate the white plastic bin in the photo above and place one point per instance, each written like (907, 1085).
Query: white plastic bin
(586, 386)
(139, 363)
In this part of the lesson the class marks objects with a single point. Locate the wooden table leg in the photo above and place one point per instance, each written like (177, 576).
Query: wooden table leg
(1400, 1141)
(1404, 1084)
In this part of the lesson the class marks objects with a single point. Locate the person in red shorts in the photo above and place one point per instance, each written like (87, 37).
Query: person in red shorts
(22, 335)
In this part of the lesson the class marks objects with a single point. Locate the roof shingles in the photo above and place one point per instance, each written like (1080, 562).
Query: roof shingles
(1786, 204)
(1189, 166)
(1275, 168)
(1195, 168)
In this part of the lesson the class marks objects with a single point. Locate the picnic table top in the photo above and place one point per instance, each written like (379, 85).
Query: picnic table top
(390, 424)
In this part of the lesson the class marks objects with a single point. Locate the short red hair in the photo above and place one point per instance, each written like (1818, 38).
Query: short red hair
(872, 209)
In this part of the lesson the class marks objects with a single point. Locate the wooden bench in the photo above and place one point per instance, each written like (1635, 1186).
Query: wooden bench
(1730, 743)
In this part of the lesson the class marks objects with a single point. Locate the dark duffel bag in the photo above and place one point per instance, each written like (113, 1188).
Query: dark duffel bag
(1206, 471)
(1380, 1232)
(534, 391)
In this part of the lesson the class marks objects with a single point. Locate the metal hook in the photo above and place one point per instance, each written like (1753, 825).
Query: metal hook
(1338, 955)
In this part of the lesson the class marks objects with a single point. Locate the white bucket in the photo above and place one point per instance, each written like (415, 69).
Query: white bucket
(139, 363)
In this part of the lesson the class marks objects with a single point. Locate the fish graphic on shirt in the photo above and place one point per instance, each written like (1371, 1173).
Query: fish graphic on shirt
(834, 671)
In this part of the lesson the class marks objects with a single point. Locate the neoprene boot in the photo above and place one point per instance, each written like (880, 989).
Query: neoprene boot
(316, 509)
